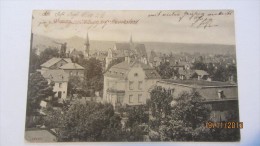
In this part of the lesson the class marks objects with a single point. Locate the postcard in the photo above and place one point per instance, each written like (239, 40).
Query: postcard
(132, 76)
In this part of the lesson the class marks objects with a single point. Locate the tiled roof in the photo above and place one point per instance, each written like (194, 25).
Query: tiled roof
(72, 66)
(54, 60)
(120, 70)
(57, 75)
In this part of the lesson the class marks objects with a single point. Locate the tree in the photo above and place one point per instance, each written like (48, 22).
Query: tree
(137, 115)
(90, 122)
(47, 54)
(160, 103)
(34, 61)
(93, 75)
(165, 70)
(183, 121)
(191, 110)
(74, 84)
(220, 74)
(187, 120)
(38, 89)
(199, 65)
(232, 71)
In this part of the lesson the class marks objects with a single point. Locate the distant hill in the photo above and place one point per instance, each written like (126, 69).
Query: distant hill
(43, 42)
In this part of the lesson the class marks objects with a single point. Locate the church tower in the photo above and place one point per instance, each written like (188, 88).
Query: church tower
(131, 40)
(86, 53)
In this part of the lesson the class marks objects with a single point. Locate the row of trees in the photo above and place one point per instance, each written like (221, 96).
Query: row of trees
(161, 119)
(222, 73)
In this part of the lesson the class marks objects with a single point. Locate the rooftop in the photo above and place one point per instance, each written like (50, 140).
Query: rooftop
(72, 66)
(201, 83)
(57, 75)
(54, 60)
(120, 70)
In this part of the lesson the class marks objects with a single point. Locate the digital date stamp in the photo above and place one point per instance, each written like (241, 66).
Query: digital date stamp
(224, 125)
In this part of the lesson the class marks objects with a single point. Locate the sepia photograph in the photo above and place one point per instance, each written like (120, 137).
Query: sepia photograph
(132, 76)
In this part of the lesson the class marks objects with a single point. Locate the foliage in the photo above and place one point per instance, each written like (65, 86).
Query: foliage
(183, 121)
(137, 115)
(160, 103)
(222, 73)
(198, 65)
(74, 84)
(38, 89)
(165, 70)
(190, 109)
(47, 54)
(34, 61)
(90, 122)
(93, 75)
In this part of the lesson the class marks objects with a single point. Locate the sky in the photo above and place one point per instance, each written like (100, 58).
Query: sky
(210, 27)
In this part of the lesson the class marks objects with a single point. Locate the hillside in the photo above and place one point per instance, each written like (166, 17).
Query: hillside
(43, 42)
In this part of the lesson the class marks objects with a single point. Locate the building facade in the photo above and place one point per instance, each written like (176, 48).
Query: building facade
(128, 83)
(60, 80)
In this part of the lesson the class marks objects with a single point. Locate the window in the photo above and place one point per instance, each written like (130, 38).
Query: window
(131, 85)
(140, 84)
(131, 100)
(136, 74)
(140, 98)
(60, 85)
(77, 73)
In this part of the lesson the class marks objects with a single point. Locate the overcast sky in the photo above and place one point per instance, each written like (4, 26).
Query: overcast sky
(159, 28)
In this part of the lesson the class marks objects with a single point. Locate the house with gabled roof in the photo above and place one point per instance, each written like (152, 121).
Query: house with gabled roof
(73, 69)
(60, 80)
(128, 83)
(54, 63)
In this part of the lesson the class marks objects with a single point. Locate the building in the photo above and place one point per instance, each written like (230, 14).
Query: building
(222, 96)
(194, 74)
(58, 71)
(60, 80)
(73, 69)
(133, 50)
(128, 83)
(54, 63)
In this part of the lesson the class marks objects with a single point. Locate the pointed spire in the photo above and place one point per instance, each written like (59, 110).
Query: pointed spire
(87, 46)
(131, 40)
(87, 40)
